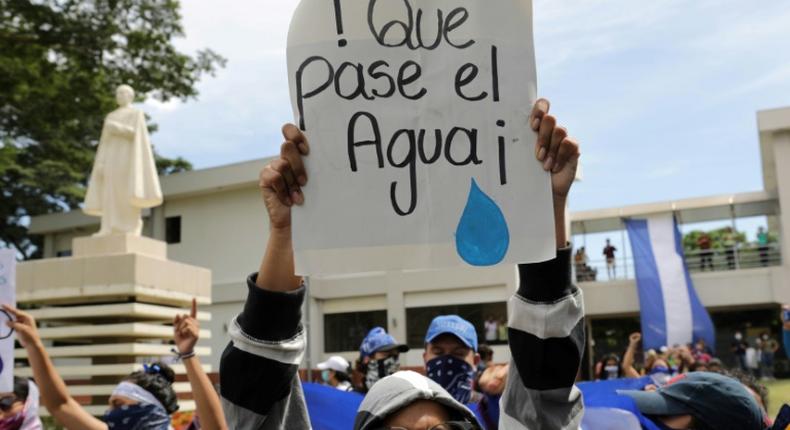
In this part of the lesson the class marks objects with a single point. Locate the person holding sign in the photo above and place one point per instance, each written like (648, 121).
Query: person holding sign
(260, 387)
(143, 400)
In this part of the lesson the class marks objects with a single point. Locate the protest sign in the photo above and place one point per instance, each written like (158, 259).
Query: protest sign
(7, 297)
(421, 155)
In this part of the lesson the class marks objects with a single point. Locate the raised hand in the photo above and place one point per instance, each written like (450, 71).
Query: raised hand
(186, 330)
(24, 325)
(558, 152)
(635, 338)
(281, 181)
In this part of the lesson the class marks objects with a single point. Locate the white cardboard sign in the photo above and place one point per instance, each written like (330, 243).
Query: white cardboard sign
(421, 155)
(7, 297)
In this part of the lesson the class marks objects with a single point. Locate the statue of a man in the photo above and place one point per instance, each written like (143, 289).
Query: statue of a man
(124, 178)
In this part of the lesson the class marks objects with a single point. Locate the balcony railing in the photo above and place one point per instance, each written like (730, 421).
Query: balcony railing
(713, 260)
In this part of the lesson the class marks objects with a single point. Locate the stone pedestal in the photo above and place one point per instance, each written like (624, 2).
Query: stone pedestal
(108, 309)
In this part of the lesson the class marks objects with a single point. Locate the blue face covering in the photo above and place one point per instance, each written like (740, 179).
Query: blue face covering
(454, 375)
(137, 417)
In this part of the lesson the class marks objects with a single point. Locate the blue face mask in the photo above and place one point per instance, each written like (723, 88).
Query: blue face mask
(454, 375)
(137, 417)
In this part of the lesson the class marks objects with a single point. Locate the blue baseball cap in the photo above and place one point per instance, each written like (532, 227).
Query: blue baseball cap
(377, 340)
(718, 401)
(454, 325)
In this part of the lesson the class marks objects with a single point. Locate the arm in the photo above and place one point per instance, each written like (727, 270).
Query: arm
(119, 129)
(628, 358)
(186, 333)
(546, 326)
(54, 394)
(258, 371)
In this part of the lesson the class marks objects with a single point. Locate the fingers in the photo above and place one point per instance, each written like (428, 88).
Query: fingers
(193, 311)
(568, 152)
(543, 145)
(557, 136)
(18, 315)
(291, 133)
(289, 151)
(275, 176)
(539, 110)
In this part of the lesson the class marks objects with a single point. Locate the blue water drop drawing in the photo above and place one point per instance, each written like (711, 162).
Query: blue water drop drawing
(482, 237)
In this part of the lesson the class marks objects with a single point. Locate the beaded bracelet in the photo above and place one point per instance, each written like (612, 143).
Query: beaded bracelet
(182, 356)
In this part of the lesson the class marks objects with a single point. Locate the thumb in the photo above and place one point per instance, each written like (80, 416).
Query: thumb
(193, 312)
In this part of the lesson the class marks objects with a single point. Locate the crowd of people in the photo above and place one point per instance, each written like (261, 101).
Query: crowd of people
(459, 386)
(144, 399)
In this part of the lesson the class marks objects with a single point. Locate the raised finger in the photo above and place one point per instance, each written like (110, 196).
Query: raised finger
(544, 138)
(290, 152)
(274, 180)
(293, 134)
(539, 110)
(193, 311)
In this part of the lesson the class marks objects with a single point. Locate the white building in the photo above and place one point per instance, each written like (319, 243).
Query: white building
(215, 218)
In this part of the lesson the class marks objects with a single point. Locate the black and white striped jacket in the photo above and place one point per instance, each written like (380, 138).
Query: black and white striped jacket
(259, 369)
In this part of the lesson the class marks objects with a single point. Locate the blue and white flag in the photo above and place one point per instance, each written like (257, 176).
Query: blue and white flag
(671, 311)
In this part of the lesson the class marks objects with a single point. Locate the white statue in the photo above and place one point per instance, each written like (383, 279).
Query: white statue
(124, 178)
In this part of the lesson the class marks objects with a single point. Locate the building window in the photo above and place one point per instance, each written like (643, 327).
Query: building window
(66, 253)
(344, 332)
(173, 229)
(482, 315)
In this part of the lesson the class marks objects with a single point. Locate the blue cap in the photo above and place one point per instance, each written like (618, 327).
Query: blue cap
(379, 340)
(454, 325)
(718, 401)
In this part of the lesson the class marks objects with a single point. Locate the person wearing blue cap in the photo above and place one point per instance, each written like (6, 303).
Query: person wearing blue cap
(379, 356)
(451, 355)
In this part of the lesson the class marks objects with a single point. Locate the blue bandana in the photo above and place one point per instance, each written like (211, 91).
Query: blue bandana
(454, 375)
(137, 417)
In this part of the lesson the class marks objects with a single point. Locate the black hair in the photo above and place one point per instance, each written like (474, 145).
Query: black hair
(21, 388)
(486, 353)
(158, 380)
(342, 376)
(751, 382)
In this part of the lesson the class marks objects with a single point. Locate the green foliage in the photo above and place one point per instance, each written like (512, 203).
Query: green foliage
(719, 238)
(60, 62)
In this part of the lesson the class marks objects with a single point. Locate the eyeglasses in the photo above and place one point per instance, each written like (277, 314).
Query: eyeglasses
(6, 403)
(449, 425)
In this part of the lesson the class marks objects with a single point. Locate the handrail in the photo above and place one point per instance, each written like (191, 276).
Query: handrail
(746, 256)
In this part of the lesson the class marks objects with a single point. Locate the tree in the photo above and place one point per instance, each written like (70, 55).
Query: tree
(60, 62)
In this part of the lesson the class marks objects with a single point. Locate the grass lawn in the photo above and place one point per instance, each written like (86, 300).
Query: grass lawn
(779, 392)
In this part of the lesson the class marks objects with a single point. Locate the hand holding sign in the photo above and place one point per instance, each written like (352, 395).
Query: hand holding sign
(24, 325)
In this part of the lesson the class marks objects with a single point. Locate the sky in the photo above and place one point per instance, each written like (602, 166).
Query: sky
(662, 95)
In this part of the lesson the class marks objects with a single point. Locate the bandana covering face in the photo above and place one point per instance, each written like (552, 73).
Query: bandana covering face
(380, 369)
(612, 372)
(454, 375)
(28, 418)
(149, 414)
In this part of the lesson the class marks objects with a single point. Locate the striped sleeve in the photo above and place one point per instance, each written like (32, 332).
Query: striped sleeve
(546, 336)
(259, 379)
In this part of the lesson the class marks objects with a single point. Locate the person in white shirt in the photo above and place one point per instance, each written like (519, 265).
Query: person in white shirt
(491, 327)
(334, 372)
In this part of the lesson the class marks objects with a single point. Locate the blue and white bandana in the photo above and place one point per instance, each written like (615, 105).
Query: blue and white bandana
(149, 414)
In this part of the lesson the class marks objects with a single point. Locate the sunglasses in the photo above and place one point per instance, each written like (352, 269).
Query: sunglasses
(6, 403)
(450, 425)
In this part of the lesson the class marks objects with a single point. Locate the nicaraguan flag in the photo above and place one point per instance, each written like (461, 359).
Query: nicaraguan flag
(671, 311)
